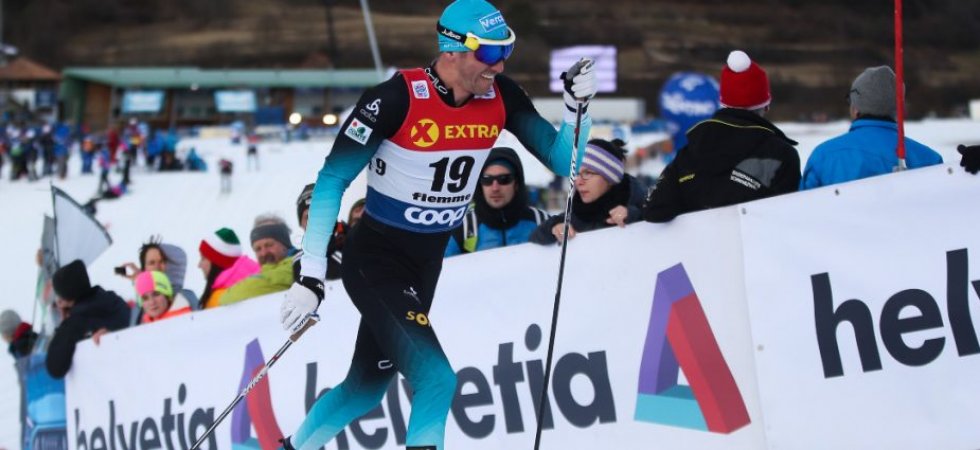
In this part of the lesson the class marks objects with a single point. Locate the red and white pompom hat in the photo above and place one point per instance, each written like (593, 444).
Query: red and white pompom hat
(744, 84)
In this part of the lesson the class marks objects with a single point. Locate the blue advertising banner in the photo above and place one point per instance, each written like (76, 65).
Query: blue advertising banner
(686, 99)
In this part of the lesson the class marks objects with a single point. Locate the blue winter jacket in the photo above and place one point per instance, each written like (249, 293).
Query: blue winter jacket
(487, 237)
(866, 150)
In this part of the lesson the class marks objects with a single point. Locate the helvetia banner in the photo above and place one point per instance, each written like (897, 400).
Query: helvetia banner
(864, 306)
(836, 318)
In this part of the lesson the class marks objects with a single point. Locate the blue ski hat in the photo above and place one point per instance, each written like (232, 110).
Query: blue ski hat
(471, 16)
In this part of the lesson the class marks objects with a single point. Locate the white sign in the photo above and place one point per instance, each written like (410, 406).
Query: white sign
(235, 101)
(142, 101)
(861, 297)
(834, 318)
(168, 380)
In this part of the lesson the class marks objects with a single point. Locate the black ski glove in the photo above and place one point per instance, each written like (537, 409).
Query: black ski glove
(971, 158)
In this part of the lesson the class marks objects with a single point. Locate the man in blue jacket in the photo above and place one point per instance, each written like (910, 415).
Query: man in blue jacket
(869, 147)
(500, 215)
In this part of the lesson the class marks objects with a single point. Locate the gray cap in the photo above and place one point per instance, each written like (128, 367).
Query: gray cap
(873, 92)
(9, 320)
(277, 231)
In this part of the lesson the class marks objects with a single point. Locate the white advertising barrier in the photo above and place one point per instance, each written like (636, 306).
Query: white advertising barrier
(864, 303)
(653, 349)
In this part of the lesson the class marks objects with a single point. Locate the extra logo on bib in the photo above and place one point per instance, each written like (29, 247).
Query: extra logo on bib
(427, 132)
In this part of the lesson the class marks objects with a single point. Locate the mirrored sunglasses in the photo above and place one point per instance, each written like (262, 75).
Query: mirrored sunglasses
(487, 51)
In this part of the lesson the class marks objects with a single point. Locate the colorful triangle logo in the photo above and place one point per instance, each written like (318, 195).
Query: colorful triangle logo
(256, 411)
(679, 336)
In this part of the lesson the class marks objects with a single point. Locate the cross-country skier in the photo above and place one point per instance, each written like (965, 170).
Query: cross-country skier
(424, 135)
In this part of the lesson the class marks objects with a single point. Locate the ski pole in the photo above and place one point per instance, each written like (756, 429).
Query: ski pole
(310, 320)
(542, 404)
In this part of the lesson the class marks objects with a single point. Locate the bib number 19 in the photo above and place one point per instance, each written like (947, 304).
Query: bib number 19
(458, 172)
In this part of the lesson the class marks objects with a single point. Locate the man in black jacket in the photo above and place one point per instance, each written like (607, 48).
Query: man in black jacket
(734, 157)
(86, 310)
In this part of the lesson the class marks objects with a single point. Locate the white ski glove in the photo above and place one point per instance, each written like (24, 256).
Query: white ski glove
(301, 301)
(580, 87)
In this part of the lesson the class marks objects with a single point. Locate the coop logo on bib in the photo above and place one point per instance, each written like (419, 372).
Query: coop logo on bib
(358, 131)
(434, 216)
(425, 133)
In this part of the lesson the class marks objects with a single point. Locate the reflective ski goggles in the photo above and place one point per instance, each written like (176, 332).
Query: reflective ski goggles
(487, 51)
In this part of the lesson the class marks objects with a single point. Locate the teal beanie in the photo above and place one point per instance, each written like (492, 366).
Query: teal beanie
(471, 16)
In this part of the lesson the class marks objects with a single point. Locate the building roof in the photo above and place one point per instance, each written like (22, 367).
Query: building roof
(24, 69)
(186, 77)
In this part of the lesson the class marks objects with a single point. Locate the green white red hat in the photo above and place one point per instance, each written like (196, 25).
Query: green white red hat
(221, 248)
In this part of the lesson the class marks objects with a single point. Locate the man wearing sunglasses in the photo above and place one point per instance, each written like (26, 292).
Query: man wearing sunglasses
(500, 215)
(423, 136)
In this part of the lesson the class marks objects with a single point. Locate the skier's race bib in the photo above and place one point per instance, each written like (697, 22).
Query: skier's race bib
(423, 177)
(422, 191)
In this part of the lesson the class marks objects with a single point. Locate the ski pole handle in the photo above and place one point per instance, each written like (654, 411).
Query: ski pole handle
(307, 323)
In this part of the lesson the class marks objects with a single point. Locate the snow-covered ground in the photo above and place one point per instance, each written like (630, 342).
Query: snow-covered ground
(185, 207)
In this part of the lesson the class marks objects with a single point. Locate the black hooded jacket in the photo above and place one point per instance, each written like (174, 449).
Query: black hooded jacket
(734, 157)
(99, 309)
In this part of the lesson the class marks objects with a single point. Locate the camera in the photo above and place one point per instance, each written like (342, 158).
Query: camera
(120, 270)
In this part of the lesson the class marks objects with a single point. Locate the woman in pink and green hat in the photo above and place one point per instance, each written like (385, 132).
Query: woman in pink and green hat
(157, 298)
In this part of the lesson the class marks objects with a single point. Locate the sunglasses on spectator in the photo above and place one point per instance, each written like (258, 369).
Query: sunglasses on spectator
(847, 96)
(503, 179)
(487, 51)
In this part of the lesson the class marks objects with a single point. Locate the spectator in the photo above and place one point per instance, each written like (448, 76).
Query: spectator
(869, 147)
(167, 258)
(223, 265)
(970, 160)
(88, 153)
(604, 195)
(170, 163)
(194, 162)
(17, 334)
(158, 299)
(62, 144)
(252, 154)
(86, 311)
(501, 215)
(154, 147)
(45, 145)
(335, 248)
(734, 157)
(151, 257)
(225, 167)
(105, 163)
(274, 251)
(21, 339)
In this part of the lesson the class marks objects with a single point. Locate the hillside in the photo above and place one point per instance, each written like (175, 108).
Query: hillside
(811, 49)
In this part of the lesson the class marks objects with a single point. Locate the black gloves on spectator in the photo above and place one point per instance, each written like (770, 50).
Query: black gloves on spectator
(971, 158)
